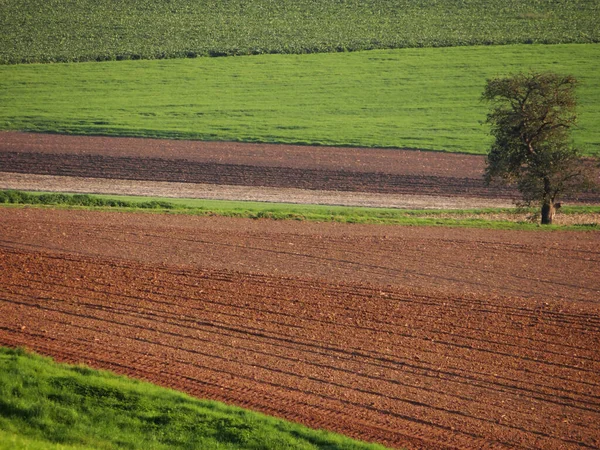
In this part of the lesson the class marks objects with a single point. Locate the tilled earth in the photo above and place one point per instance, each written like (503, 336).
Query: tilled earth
(235, 164)
(419, 337)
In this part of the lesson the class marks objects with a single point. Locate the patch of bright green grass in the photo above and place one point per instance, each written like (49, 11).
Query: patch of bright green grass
(469, 218)
(48, 405)
(412, 98)
(83, 30)
(13, 441)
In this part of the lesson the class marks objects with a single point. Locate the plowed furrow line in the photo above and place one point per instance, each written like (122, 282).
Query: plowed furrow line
(348, 314)
(210, 340)
(279, 308)
(173, 365)
(552, 396)
(378, 355)
(377, 269)
(381, 250)
(346, 402)
(161, 320)
(427, 347)
(337, 289)
(377, 252)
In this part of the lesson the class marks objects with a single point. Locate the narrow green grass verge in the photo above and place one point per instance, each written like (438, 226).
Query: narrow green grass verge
(494, 218)
(48, 405)
(425, 98)
(84, 30)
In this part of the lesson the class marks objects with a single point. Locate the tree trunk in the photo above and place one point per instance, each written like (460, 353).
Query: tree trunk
(548, 211)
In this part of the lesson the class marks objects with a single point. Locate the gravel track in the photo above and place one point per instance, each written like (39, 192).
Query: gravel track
(410, 337)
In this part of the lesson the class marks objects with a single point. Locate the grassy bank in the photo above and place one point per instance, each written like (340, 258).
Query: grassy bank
(84, 30)
(495, 218)
(415, 98)
(48, 405)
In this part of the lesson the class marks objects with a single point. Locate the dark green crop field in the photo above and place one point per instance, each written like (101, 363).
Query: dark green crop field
(86, 30)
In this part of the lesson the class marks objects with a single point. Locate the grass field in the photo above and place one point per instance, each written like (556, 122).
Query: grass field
(84, 30)
(496, 218)
(48, 405)
(413, 98)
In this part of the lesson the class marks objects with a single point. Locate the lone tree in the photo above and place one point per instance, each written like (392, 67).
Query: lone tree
(531, 117)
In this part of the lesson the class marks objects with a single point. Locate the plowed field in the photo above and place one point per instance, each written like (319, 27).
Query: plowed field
(416, 337)
(273, 166)
(316, 171)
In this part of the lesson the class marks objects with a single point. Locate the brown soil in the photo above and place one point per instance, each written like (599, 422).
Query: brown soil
(184, 170)
(400, 172)
(398, 162)
(407, 336)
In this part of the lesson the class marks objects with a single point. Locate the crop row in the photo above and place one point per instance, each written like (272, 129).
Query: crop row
(87, 30)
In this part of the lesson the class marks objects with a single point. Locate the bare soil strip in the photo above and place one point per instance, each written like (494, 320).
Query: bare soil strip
(399, 172)
(392, 161)
(557, 265)
(159, 169)
(52, 183)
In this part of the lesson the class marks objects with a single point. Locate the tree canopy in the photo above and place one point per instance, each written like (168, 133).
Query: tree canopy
(531, 117)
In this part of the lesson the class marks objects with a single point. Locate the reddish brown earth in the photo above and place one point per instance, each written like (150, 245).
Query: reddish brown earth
(381, 171)
(276, 166)
(425, 338)
(398, 162)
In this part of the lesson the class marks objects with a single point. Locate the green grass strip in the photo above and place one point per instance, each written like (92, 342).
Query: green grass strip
(512, 218)
(412, 98)
(48, 405)
(83, 30)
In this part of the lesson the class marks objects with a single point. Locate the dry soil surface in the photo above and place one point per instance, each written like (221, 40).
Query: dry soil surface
(52, 183)
(425, 338)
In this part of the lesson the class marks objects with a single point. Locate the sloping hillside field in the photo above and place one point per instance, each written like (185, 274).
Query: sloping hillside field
(416, 337)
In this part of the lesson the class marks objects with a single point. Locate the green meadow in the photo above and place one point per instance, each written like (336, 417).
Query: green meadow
(426, 98)
(45, 405)
(89, 30)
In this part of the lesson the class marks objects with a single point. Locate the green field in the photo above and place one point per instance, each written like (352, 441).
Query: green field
(48, 405)
(494, 218)
(413, 98)
(84, 30)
